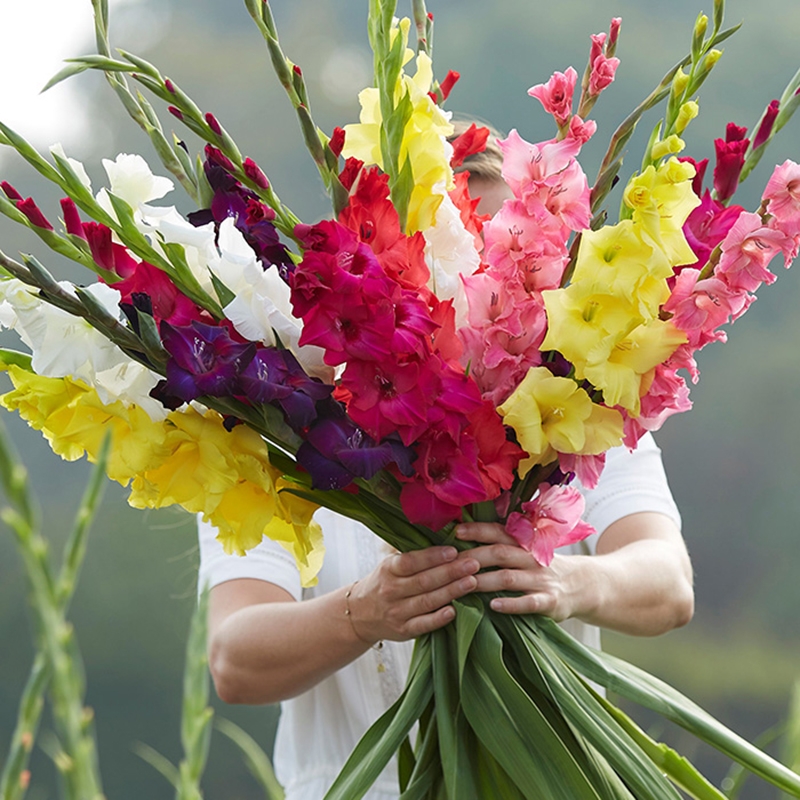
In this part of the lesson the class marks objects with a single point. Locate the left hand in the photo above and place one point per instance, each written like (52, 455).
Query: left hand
(545, 590)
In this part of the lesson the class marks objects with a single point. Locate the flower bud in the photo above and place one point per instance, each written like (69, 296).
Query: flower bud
(672, 144)
(712, 56)
(679, 83)
(688, 111)
(700, 27)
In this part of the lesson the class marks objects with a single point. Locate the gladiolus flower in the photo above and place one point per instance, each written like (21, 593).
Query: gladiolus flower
(767, 122)
(556, 95)
(550, 520)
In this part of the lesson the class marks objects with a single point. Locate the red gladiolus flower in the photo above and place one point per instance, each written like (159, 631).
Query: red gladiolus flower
(765, 128)
(29, 208)
(472, 141)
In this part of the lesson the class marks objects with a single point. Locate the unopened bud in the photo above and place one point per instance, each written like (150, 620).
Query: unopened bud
(667, 147)
(679, 83)
(712, 56)
(688, 111)
(24, 779)
(701, 26)
(26, 740)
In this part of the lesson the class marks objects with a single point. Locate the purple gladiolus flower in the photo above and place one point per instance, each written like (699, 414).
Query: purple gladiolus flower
(336, 451)
(205, 360)
(251, 217)
(275, 376)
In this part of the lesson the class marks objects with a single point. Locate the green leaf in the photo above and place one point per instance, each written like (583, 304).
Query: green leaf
(512, 727)
(224, 294)
(158, 762)
(256, 759)
(652, 693)
(383, 739)
(21, 360)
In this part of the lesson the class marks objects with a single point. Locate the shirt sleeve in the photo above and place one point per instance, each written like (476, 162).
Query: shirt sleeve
(631, 482)
(266, 562)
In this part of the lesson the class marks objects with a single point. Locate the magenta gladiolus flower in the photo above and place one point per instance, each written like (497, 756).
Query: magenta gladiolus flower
(549, 521)
(765, 128)
(72, 218)
(707, 226)
(730, 160)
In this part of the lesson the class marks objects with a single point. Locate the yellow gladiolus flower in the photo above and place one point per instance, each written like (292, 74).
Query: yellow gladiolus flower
(75, 422)
(423, 144)
(618, 367)
(552, 415)
(662, 198)
(688, 111)
(616, 260)
(579, 321)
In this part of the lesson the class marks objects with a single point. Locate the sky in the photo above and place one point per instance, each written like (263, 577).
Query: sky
(37, 36)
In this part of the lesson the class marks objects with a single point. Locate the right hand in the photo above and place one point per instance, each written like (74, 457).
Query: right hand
(409, 594)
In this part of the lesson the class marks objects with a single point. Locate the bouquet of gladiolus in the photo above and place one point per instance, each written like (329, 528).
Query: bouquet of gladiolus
(410, 364)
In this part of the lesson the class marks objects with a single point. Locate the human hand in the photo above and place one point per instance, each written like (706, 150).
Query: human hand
(409, 594)
(550, 591)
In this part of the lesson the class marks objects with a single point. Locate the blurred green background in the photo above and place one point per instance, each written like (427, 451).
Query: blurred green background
(733, 462)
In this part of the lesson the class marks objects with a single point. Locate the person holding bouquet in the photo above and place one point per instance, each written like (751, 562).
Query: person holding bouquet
(336, 655)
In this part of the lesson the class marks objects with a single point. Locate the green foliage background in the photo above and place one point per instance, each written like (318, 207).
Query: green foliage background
(733, 462)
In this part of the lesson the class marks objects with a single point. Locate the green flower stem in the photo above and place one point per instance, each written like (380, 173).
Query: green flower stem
(58, 654)
(197, 716)
(256, 759)
(291, 78)
(14, 778)
(612, 161)
(424, 26)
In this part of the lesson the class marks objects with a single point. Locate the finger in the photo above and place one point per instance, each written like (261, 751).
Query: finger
(435, 578)
(504, 556)
(430, 622)
(536, 603)
(426, 603)
(407, 564)
(484, 532)
(507, 580)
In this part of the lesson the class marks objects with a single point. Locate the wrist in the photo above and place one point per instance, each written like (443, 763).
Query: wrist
(359, 627)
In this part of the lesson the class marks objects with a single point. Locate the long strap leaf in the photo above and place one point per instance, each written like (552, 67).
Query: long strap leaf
(384, 738)
(652, 693)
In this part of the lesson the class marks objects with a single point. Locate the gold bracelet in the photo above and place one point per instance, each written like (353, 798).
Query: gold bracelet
(374, 645)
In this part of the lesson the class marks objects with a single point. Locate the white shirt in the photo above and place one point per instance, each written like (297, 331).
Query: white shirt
(319, 729)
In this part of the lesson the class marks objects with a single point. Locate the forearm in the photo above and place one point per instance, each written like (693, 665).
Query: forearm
(270, 651)
(643, 588)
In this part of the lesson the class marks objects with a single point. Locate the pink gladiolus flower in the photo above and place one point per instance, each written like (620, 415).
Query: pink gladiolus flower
(765, 128)
(581, 130)
(517, 241)
(613, 33)
(783, 196)
(556, 95)
(546, 177)
(550, 520)
(603, 71)
(587, 469)
(700, 307)
(746, 251)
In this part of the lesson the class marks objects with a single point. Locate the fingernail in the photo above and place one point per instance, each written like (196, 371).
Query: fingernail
(449, 553)
(449, 612)
(465, 584)
(496, 605)
(471, 565)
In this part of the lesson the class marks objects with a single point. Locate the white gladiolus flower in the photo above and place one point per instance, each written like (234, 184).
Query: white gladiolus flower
(63, 345)
(261, 307)
(450, 252)
(77, 166)
(165, 224)
(133, 181)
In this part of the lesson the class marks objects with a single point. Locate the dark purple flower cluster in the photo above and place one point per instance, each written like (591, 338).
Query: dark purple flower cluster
(206, 360)
(252, 217)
